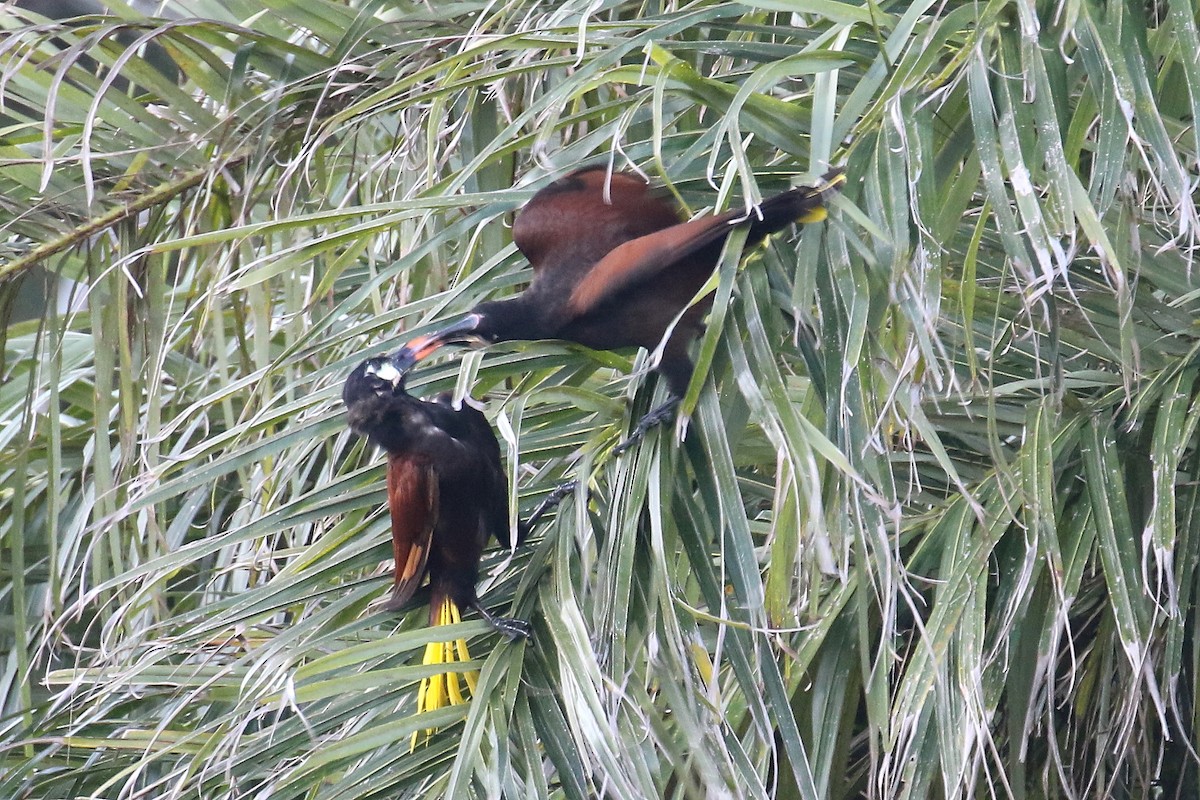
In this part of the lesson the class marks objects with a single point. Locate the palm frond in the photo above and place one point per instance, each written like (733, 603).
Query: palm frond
(928, 532)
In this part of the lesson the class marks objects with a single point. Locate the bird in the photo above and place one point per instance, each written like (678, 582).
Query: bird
(447, 493)
(613, 266)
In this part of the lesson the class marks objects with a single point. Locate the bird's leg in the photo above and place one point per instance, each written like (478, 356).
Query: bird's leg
(512, 628)
(552, 500)
(656, 416)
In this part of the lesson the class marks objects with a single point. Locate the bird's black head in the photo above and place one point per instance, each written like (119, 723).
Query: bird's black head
(374, 395)
(376, 377)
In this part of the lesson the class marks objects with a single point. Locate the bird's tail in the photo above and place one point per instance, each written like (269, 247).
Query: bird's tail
(444, 689)
(802, 204)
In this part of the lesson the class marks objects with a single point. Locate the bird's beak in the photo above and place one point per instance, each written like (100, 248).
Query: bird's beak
(424, 346)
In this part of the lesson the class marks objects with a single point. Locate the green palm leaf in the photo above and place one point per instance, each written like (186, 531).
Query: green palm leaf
(929, 530)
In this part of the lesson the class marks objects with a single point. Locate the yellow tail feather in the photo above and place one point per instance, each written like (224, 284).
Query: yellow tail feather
(830, 182)
(443, 689)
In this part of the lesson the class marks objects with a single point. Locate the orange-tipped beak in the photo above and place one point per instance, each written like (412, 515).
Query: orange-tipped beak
(422, 347)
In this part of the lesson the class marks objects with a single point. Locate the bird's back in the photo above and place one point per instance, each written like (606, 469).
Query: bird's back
(577, 220)
(472, 474)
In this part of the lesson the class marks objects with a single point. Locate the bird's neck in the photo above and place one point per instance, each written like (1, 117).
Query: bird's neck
(519, 317)
(393, 423)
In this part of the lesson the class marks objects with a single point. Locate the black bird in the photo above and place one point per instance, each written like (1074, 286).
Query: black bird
(613, 265)
(447, 493)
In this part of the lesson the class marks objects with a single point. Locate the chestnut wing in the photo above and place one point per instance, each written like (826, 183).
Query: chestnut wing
(644, 258)
(652, 255)
(575, 221)
(412, 494)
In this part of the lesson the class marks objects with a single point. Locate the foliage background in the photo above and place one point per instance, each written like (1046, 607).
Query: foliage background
(931, 531)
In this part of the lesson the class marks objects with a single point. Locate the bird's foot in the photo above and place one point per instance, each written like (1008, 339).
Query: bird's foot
(552, 500)
(656, 416)
(512, 628)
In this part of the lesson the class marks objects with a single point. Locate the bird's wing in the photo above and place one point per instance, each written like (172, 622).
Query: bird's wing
(643, 258)
(584, 215)
(412, 493)
(471, 427)
(495, 501)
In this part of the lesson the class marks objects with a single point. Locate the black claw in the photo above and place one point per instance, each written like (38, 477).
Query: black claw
(552, 500)
(656, 416)
(512, 628)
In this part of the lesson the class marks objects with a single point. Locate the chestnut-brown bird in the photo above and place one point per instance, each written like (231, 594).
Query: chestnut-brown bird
(446, 488)
(447, 494)
(613, 266)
